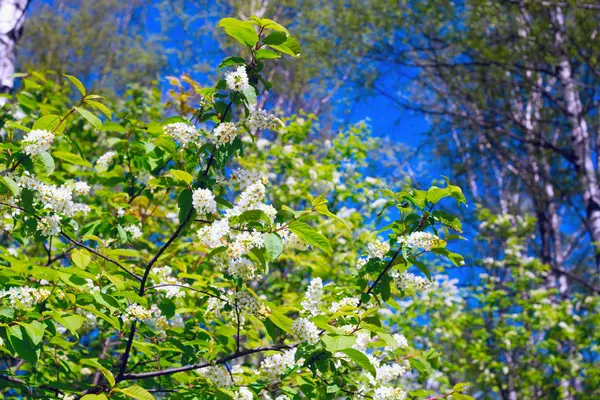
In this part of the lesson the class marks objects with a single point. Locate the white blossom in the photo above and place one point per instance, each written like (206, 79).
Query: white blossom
(401, 340)
(422, 240)
(304, 329)
(213, 235)
(172, 286)
(243, 394)
(314, 292)
(49, 225)
(260, 119)
(134, 230)
(273, 366)
(237, 80)
(204, 202)
(225, 133)
(218, 375)
(81, 188)
(378, 249)
(37, 141)
(25, 296)
(346, 301)
(407, 280)
(389, 393)
(183, 133)
(104, 161)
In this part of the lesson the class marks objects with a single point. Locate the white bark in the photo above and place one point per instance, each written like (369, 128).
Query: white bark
(580, 137)
(12, 16)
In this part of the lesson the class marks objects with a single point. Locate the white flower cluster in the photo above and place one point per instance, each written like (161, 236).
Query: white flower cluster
(164, 277)
(378, 249)
(243, 394)
(314, 292)
(56, 198)
(65, 396)
(389, 393)
(245, 178)
(151, 316)
(213, 235)
(387, 373)
(25, 296)
(242, 268)
(243, 304)
(37, 141)
(421, 240)
(249, 304)
(407, 280)
(225, 133)
(104, 161)
(237, 80)
(346, 301)
(363, 338)
(81, 188)
(273, 366)
(134, 230)
(183, 133)
(91, 286)
(260, 119)
(219, 232)
(204, 202)
(401, 340)
(251, 199)
(49, 225)
(218, 375)
(305, 330)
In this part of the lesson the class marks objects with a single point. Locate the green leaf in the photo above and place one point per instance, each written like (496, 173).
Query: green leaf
(361, 360)
(251, 216)
(241, 31)
(449, 220)
(10, 184)
(113, 127)
(336, 343)
(275, 38)
(136, 392)
(273, 245)
(185, 204)
(182, 176)
(71, 322)
(95, 121)
(50, 123)
(35, 330)
(71, 158)
(80, 258)
(77, 83)
(266, 54)
(23, 345)
(122, 234)
(281, 321)
(96, 364)
(231, 61)
(435, 194)
(47, 161)
(310, 236)
(101, 107)
(94, 397)
(290, 47)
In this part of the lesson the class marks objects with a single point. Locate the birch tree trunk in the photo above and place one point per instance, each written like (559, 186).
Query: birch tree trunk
(580, 137)
(12, 16)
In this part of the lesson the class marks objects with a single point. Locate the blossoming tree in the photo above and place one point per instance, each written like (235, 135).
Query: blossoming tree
(221, 253)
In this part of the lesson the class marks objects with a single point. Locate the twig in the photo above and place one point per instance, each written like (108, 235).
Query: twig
(118, 264)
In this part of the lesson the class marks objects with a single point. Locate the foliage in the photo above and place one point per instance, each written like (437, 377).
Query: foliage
(227, 255)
